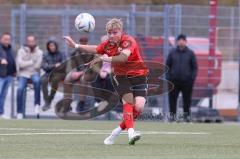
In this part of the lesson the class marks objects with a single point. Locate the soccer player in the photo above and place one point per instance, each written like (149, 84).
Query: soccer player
(129, 72)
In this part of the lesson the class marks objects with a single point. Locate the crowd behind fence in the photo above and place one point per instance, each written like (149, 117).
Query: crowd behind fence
(151, 22)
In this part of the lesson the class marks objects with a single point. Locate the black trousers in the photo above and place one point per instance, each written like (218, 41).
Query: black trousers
(54, 82)
(105, 83)
(186, 89)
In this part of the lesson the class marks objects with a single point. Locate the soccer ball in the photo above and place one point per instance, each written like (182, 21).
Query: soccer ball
(85, 22)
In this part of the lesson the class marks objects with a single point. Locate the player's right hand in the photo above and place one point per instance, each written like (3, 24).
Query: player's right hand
(69, 41)
(4, 62)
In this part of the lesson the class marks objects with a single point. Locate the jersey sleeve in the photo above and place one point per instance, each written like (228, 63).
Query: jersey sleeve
(101, 48)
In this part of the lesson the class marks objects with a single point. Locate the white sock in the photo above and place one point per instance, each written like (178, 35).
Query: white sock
(116, 132)
(130, 132)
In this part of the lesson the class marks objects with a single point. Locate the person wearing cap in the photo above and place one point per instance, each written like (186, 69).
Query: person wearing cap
(183, 67)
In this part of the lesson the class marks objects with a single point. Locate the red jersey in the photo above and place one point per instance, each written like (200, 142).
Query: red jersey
(134, 66)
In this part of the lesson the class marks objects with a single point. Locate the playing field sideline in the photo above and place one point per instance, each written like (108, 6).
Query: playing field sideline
(55, 139)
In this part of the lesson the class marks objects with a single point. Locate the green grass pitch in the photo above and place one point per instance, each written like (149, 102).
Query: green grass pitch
(58, 139)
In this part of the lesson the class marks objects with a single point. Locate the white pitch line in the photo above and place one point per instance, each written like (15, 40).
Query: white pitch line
(30, 134)
(174, 133)
(31, 129)
(86, 132)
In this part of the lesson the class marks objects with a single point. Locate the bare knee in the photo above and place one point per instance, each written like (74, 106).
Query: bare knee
(128, 98)
(140, 103)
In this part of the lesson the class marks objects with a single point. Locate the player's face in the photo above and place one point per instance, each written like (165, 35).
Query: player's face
(114, 35)
(6, 40)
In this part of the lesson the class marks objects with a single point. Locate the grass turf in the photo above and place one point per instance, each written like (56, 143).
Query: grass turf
(84, 139)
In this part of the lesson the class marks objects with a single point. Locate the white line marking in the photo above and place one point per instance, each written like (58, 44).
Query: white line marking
(30, 134)
(31, 129)
(86, 132)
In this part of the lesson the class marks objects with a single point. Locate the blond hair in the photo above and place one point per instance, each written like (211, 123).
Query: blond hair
(114, 24)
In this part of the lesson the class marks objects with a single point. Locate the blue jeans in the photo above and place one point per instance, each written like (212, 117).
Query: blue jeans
(4, 84)
(21, 96)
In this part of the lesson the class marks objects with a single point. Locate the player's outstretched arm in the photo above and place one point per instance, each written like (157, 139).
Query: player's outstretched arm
(122, 57)
(86, 48)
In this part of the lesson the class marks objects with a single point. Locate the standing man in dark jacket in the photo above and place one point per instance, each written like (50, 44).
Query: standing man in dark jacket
(7, 69)
(52, 60)
(182, 73)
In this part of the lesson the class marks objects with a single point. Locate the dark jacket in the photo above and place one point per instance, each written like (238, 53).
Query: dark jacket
(10, 68)
(182, 65)
(50, 59)
(80, 58)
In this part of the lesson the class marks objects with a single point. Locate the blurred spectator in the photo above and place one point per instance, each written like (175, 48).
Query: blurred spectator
(182, 72)
(103, 79)
(75, 76)
(52, 61)
(29, 59)
(7, 69)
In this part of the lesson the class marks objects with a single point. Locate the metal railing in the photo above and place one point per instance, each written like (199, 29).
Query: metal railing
(47, 22)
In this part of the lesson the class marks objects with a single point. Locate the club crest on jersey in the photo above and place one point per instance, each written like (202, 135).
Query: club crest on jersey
(126, 44)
